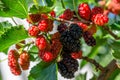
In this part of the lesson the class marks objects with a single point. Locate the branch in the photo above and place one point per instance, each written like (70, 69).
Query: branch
(110, 32)
(97, 65)
(108, 70)
(88, 22)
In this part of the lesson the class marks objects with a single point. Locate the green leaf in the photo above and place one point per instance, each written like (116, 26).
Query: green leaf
(81, 77)
(14, 8)
(34, 50)
(12, 36)
(94, 50)
(116, 48)
(4, 26)
(50, 3)
(44, 71)
(114, 74)
(41, 9)
(1, 5)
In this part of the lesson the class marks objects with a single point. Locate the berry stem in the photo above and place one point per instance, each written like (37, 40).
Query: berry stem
(63, 4)
(14, 21)
(110, 32)
(47, 37)
(76, 10)
(97, 65)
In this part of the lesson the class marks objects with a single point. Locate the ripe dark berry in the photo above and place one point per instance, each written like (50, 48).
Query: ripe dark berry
(33, 18)
(67, 15)
(47, 56)
(75, 31)
(13, 62)
(62, 27)
(97, 10)
(24, 60)
(100, 19)
(41, 42)
(89, 39)
(33, 31)
(68, 66)
(84, 11)
(43, 25)
(64, 71)
(69, 43)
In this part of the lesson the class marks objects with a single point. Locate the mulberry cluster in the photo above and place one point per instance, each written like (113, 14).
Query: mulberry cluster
(70, 38)
(15, 61)
(96, 14)
(40, 23)
(68, 66)
(50, 50)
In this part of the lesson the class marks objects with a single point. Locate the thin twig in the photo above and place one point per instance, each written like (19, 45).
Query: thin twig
(98, 66)
(14, 21)
(111, 33)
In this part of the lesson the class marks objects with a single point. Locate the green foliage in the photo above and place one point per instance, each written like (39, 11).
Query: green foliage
(4, 26)
(33, 52)
(44, 71)
(40, 9)
(81, 77)
(1, 5)
(50, 3)
(14, 8)
(116, 49)
(12, 36)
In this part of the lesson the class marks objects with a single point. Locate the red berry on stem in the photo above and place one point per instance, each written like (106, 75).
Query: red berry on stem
(43, 25)
(82, 25)
(84, 11)
(41, 42)
(97, 10)
(67, 15)
(100, 19)
(47, 57)
(24, 60)
(76, 55)
(92, 29)
(13, 62)
(52, 13)
(33, 31)
(33, 18)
